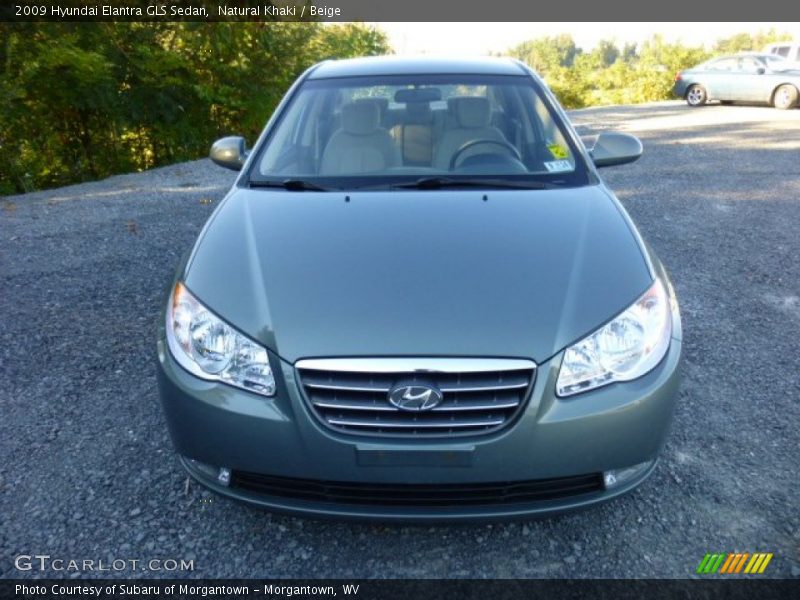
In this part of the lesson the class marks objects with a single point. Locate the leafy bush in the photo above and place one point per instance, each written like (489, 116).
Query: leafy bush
(87, 100)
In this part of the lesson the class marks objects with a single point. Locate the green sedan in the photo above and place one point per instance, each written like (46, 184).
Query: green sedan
(420, 302)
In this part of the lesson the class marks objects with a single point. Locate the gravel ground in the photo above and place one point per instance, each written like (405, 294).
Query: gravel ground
(88, 471)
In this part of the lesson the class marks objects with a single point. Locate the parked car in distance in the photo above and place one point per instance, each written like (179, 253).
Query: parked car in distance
(787, 50)
(420, 302)
(747, 77)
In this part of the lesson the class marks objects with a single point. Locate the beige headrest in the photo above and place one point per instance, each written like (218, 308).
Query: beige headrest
(360, 118)
(473, 112)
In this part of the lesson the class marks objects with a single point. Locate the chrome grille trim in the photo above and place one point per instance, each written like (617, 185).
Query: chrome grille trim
(411, 365)
(330, 386)
(388, 408)
(351, 406)
(488, 388)
(350, 395)
(415, 424)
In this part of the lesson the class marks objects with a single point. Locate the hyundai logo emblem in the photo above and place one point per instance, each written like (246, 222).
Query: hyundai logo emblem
(415, 396)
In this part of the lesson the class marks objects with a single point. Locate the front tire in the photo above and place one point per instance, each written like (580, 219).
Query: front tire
(785, 97)
(696, 95)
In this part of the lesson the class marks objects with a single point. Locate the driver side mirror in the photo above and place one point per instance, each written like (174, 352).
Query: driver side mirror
(229, 152)
(610, 149)
(761, 70)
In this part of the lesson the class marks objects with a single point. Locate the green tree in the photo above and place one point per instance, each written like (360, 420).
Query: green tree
(607, 51)
(742, 42)
(350, 39)
(629, 52)
(83, 101)
(548, 53)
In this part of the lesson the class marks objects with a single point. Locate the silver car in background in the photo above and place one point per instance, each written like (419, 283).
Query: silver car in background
(747, 77)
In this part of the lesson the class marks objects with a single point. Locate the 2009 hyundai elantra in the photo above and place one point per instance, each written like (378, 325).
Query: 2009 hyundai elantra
(419, 301)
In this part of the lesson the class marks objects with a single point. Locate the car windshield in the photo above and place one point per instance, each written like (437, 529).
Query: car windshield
(361, 132)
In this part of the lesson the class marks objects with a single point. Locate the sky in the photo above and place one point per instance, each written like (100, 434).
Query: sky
(466, 39)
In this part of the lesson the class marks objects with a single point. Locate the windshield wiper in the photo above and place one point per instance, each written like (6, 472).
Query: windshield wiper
(293, 185)
(433, 183)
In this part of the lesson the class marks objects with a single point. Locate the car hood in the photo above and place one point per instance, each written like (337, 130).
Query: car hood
(522, 273)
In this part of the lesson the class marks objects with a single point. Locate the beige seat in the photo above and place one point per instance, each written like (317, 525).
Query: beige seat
(361, 145)
(472, 122)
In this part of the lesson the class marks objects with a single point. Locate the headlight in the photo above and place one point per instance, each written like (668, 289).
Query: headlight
(627, 347)
(208, 347)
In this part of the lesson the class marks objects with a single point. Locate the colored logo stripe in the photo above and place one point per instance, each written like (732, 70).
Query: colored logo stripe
(758, 563)
(710, 563)
(734, 562)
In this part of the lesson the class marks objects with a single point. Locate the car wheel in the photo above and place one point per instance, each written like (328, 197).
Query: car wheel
(696, 95)
(785, 97)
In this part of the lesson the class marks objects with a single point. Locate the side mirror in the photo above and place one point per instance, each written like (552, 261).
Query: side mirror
(229, 152)
(761, 70)
(610, 149)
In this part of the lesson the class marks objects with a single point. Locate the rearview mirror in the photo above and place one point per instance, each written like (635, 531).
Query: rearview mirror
(229, 152)
(611, 149)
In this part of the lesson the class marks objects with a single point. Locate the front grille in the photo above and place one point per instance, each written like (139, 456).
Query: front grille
(385, 494)
(478, 395)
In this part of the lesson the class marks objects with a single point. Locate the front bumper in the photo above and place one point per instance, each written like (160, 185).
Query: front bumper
(611, 428)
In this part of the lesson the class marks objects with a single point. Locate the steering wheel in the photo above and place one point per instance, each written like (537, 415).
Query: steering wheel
(464, 147)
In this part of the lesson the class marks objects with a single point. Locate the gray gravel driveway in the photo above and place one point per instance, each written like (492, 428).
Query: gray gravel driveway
(87, 470)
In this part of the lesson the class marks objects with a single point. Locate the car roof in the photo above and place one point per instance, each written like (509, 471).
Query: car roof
(422, 65)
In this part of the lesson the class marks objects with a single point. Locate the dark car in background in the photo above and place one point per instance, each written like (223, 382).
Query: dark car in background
(419, 301)
(747, 77)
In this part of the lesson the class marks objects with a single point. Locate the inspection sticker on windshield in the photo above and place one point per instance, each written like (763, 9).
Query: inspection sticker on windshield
(558, 166)
(558, 151)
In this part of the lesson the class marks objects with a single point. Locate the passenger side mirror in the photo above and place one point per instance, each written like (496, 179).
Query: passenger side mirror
(229, 152)
(610, 149)
(761, 70)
